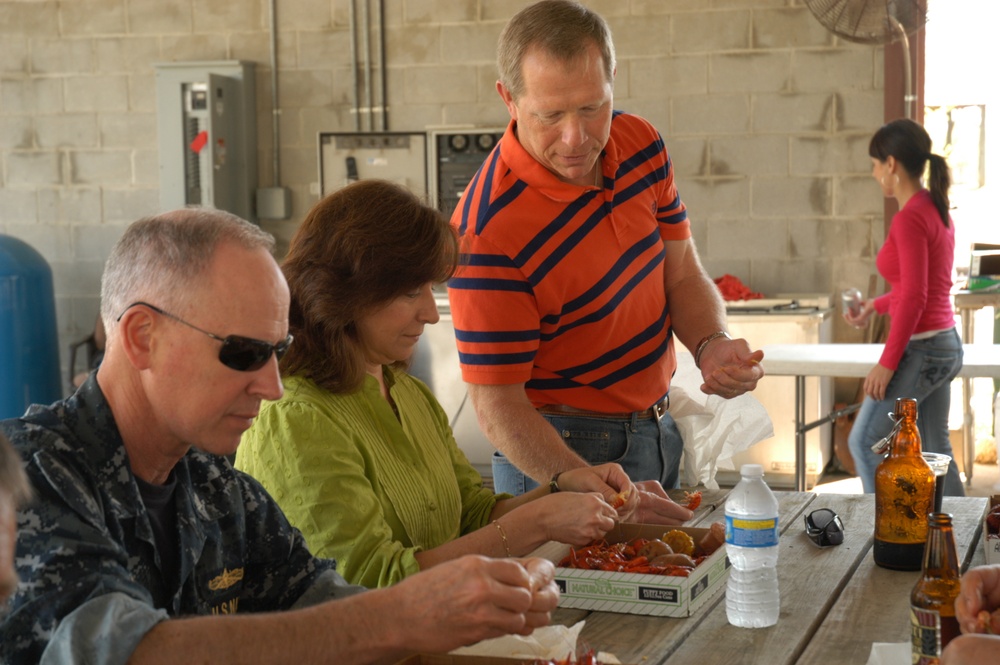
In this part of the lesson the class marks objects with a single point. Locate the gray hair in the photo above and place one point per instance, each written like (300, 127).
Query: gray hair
(561, 28)
(13, 481)
(159, 259)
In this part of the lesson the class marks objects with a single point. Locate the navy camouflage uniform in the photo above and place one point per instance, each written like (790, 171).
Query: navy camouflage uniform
(91, 586)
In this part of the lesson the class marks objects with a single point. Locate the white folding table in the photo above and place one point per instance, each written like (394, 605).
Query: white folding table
(855, 361)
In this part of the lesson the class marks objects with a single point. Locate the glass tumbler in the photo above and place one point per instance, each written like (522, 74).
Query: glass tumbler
(939, 463)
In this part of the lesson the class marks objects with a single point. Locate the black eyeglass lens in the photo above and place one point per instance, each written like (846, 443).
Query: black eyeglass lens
(824, 527)
(820, 519)
(244, 354)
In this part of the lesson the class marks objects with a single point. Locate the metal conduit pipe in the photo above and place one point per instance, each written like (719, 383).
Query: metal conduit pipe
(275, 108)
(353, 20)
(383, 103)
(366, 47)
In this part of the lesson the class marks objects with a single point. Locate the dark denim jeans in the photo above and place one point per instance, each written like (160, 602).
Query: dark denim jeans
(925, 373)
(647, 449)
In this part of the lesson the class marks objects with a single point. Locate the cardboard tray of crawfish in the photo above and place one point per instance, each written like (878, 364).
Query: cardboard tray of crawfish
(991, 529)
(633, 593)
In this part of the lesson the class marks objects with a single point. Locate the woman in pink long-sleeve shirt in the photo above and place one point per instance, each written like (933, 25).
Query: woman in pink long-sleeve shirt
(923, 352)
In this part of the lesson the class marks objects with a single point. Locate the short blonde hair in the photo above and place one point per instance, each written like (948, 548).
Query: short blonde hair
(562, 28)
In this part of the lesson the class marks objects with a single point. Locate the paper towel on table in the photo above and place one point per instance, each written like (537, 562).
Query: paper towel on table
(548, 642)
(895, 653)
(713, 428)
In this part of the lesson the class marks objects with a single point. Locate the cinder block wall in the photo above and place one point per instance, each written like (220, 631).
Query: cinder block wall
(766, 114)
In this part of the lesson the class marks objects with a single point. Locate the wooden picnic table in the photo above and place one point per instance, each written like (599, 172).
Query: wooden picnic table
(835, 602)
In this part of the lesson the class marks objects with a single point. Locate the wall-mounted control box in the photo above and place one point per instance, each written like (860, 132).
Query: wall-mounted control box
(207, 133)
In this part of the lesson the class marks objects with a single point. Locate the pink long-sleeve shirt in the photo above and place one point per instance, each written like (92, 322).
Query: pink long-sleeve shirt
(916, 260)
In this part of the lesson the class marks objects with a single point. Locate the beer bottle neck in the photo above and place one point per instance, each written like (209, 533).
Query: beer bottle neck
(940, 556)
(907, 440)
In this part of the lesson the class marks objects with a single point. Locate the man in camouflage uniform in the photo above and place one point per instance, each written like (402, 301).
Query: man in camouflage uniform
(13, 492)
(139, 517)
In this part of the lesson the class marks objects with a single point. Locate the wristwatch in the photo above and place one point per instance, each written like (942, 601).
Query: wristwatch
(554, 483)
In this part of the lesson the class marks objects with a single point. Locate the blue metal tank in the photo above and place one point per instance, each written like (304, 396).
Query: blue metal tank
(29, 342)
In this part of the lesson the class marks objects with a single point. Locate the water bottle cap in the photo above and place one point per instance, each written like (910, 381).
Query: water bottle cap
(752, 470)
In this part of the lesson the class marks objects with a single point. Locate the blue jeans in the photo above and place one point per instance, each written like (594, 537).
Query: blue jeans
(647, 449)
(925, 373)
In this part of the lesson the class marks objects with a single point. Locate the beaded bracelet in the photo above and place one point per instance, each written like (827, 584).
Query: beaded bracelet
(705, 341)
(503, 536)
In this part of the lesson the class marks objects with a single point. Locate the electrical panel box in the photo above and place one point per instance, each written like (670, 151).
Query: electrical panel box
(400, 157)
(206, 121)
(456, 155)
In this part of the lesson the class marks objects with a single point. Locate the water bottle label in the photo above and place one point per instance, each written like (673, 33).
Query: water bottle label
(745, 532)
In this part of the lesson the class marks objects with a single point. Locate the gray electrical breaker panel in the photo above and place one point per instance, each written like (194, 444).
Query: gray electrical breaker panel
(207, 135)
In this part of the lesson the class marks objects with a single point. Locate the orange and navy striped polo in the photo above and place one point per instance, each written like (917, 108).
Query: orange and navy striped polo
(561, 286)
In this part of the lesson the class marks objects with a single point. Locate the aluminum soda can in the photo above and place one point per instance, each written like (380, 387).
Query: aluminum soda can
(851, 299)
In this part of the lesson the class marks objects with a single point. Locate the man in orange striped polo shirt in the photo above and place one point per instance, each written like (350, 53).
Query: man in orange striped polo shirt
(579, 270)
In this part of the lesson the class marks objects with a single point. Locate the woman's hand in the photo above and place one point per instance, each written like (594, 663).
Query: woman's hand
(575, 518)
(609, 480)
(864, 313)
(877, 381)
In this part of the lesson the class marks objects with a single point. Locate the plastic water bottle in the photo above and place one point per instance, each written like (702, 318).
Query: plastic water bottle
(752, 599)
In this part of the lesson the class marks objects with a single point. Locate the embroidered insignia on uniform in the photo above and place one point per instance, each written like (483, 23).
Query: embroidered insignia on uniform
(227, 579)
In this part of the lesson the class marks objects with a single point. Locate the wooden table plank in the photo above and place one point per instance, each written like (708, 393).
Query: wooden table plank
(874, 605)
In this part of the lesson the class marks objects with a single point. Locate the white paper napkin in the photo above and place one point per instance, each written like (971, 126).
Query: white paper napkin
(890, 653)
(548, 642)
(713, 429)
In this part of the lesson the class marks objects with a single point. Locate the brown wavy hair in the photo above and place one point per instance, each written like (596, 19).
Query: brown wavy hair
(358, 249)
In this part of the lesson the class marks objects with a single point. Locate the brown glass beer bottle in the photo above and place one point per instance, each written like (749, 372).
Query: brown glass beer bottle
(932, 601)
(904, 495)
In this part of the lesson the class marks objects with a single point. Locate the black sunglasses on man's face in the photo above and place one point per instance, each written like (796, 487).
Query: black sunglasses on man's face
(244, 354)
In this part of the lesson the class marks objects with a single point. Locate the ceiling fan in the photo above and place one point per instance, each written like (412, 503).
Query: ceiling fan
(875, 22)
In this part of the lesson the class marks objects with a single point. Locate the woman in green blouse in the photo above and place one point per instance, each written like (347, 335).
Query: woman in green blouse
(358, 453)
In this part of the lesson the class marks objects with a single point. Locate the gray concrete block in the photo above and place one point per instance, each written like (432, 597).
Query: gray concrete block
(68, 130)
(440, 84)
(105, 168)
(787, 28)
(17, 132)
(124, 206)
(712, 114)
(93, 17)
(664, 76)
(30, 96)
(128, 130)
(18, 206)
(33, 168)
(749, 155)
(775, 196)
(107, 92)
(698, 32)
(61, 55)
(749, 72)
(64, 206)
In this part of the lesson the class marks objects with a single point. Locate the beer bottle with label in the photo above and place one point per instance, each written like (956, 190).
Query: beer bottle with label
(904, 494)
(932, 601)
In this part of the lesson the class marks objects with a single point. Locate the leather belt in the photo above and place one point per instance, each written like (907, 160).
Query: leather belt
(655, 411)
